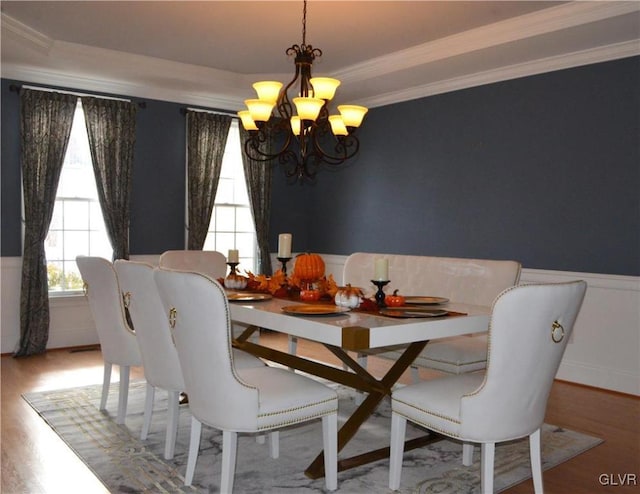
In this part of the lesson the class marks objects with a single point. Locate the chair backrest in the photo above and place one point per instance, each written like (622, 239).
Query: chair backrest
(209, 262)
(528, 333)
(471, 281)
(159, 355)
(117, 340)
(201, 329)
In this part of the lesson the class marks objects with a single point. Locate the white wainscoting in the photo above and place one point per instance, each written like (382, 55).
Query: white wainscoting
(604, 350)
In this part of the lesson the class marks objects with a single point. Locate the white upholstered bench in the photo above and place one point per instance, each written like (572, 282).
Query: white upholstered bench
(471, 281)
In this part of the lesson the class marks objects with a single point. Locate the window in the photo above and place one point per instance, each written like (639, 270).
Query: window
(77, 226)
(232, 225)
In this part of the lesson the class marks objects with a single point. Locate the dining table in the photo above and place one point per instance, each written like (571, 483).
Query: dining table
(342, 331)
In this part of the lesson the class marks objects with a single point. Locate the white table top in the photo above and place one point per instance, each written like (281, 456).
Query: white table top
(358, 330)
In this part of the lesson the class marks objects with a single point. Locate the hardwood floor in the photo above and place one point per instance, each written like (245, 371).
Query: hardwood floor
(34, 460)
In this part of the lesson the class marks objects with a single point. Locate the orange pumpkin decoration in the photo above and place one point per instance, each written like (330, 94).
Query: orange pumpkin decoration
(309, 267)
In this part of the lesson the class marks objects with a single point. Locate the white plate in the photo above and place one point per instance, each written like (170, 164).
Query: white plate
(412, 312)
(248, 297)
(313, 310)
(425, 300)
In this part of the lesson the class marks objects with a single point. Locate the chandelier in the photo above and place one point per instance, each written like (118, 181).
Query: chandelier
(303, 141)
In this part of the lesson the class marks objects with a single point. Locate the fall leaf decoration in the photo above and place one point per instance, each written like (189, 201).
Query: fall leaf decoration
(274, 284)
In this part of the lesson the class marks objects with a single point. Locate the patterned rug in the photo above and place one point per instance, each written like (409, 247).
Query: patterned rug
(125, 464)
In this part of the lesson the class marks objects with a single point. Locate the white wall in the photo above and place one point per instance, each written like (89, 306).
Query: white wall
(604, 350)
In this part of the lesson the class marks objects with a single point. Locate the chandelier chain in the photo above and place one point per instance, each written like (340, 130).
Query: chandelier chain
(304, 23)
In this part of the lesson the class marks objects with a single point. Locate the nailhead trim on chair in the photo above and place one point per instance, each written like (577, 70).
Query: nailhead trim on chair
(443, 417)
(301, 419)
(430, 426)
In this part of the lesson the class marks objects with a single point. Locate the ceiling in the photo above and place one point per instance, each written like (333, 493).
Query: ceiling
(208, 53)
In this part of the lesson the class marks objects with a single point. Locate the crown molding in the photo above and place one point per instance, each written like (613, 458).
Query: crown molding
(535, 67)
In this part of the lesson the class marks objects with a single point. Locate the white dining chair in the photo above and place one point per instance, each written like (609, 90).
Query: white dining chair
(529, 330)
(117, 340)
(160, 359)
(209, 262)
(229, 398)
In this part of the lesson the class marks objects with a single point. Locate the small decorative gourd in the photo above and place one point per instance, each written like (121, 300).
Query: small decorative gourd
(309, 267)
(348, 296)
(235, 282)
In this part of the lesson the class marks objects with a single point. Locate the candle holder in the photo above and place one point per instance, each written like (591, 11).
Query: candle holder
(380, 294)
(232, 267)
(284, 261)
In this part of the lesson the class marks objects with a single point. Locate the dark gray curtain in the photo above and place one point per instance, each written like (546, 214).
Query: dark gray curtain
(258, 177)
(45, 126)
(111, 127)
(206, 139)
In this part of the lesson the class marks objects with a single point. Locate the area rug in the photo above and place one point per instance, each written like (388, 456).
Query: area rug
(125, 464)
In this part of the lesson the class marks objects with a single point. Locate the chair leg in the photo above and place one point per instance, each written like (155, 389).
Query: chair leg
(415, 374)
(293, 347)
(330, 445)
(536, 461)
(194, 447)
(398, 430)
(148, 411)
(124, 394)
(173, 413)
(467, 454)
(229, 446)
(106, 382)
(274, 444)
(487, 454)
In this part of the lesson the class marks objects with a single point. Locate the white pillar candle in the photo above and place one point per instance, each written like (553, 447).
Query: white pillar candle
(284, 245)
(233, 255)
(381, 272)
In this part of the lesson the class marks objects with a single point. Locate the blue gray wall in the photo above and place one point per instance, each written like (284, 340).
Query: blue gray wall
(543, 169)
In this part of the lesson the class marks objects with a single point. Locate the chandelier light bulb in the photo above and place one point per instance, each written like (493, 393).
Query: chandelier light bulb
(308, 108)
(352, 115)
(247, 121)
(337, 125)
(260, 110)
(324, 87)
(268, 90)
(295, 125)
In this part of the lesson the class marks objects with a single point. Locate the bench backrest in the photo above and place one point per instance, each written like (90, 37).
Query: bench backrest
(471, 281)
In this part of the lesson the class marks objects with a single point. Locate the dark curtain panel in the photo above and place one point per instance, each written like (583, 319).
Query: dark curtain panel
(258, 177)
(111, 127)
(45, 126)
(206, 139)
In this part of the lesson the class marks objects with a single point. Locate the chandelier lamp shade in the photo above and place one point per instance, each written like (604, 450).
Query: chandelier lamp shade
(292, 124)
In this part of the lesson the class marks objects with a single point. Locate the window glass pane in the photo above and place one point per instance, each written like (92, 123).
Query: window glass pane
(53, 245)
(76, 215)
(225, 219)
(244, 220)
(56, 219)
(224, 194)
(75, 243)
(224, 242)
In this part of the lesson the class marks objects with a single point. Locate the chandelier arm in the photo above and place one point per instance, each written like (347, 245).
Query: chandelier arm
(345, 147)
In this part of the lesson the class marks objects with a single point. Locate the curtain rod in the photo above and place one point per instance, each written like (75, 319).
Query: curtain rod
(215, 112)
(16, 88)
